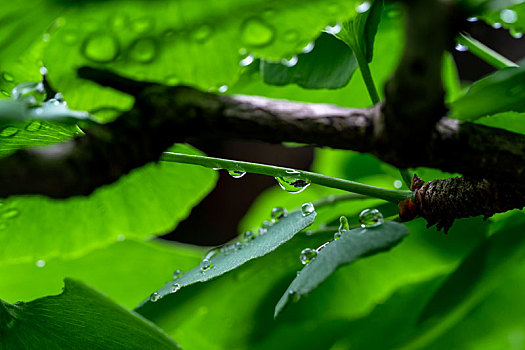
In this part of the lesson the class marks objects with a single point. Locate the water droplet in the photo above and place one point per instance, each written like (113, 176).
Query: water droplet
(290, 35)
(8, 77)
(121, 238)
(247, 61)
(223, 88)
(278, 212)
(321, 247)
(100, 47)
(308, 48)
(365, 6)
(10, 213)
(333, 29)
(59, 97)
(307, 255)
(508, 16)
(206, 265)
(266, 224)
(291, 62)
(516, 34)
(8, 131)
(248, 236)
(46, 37)
(175, 287)
(370, 218)
(177, 274)
(154, 297)
(142, 25)
(40, 263)
(239, 245)
(307, 209)
(461, 48)
(291, 184)
(143, 50)
(256, 32)
(398, 184)
(496, 25)
(472, 19)
(293, 295)
(202, 33)
(262, 231)
(33, 126)
(43, 70)
(343, 226)
(236, 174)
(30, 92)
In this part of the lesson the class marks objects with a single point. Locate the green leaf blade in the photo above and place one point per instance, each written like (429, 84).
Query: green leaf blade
(352, 245)
(222, 262)
(80, 317)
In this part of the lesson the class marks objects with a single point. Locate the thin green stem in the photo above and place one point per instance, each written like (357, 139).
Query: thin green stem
(332, 200)
(367, 76)
(394, 196)
(485, 53)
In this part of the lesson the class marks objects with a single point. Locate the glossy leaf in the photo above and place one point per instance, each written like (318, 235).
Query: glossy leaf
(218, 262)
(329, 65)
(502, 91)
(352, 245)
(78, 318)
(511, 121)
(149, 201)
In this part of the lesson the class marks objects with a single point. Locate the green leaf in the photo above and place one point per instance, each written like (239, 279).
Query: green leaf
(359, 32)
(126, 271)
(79, 318)
(329, 65)
(352, 245)
(510, 121)
(502, 91)
(149, 201)
(450, 76)
(511, 17)
(219, 261)
(142, 39)
(478, 275)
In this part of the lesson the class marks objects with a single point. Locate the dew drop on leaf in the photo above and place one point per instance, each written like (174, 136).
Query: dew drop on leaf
(333, 29)
(307, 209)
(175, 287)
(370, 218)
(100, 47)
(177, 274)
(118, 21)
(31, 92)
(202, 33)
(256, 32)
(223, 88)
(322, 246)
(307, 255)
(496, 25)
(33, 126)
(398, 184)
(309, 47)
(266, 224)
(508, 16)
(278, 212)
(239, 245)
(290, 62)
(143, 50)
(247, 61)
(40, 263)
(461, 48)
(343, 226)
(8, 131)
(363, 7)
(206, 265)
(7, 77)
(154, 297)
(248, 236)
(236, 174)
(472, 19)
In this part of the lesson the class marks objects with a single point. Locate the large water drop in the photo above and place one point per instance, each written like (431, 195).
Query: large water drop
(369, 218)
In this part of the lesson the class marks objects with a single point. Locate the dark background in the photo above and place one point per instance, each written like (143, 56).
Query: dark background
(214, 220)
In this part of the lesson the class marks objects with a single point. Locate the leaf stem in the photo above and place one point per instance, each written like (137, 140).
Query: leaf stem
(332, 200)
(394, 196)
(485, 53)
(367, 76)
